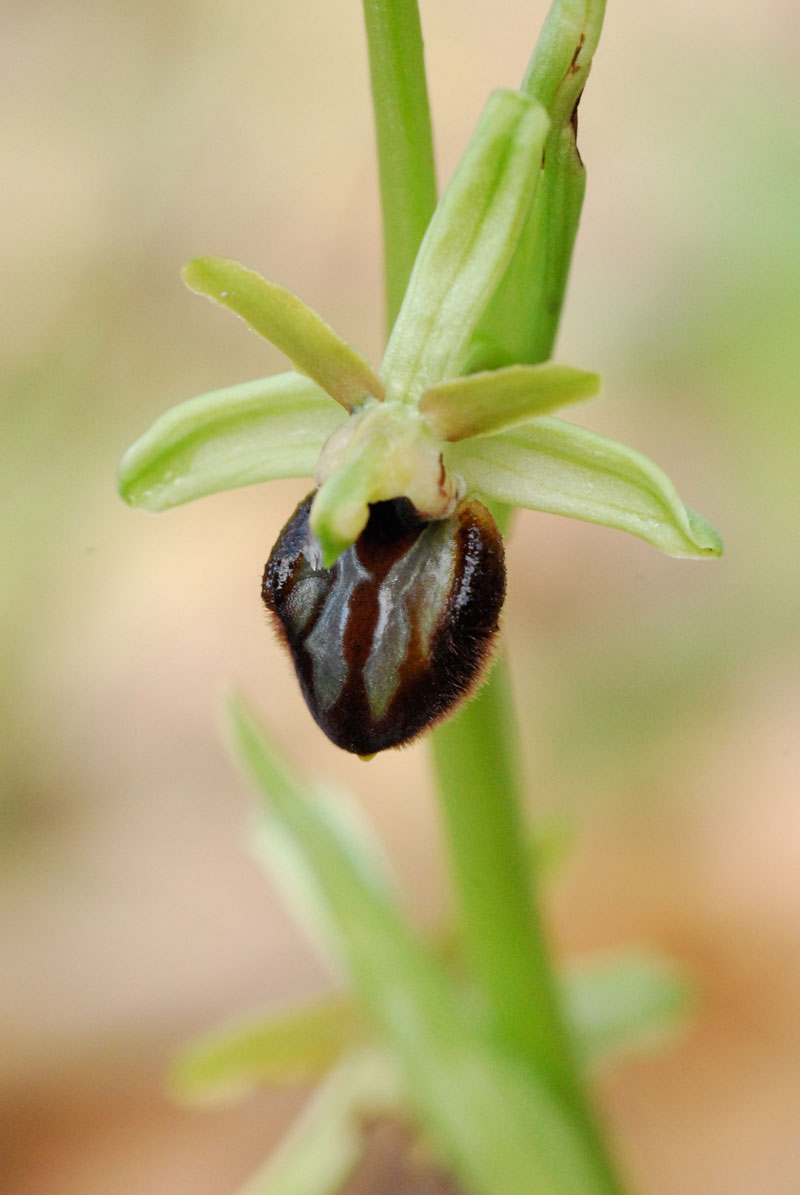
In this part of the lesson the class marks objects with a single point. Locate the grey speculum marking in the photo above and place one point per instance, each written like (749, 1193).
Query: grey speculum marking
(326, 642)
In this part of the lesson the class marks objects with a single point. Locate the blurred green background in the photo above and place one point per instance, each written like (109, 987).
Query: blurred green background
(660, 699)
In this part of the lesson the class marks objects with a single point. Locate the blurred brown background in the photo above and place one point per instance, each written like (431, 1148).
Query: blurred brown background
(660, 698)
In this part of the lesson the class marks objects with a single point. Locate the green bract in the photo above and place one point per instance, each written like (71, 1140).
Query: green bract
(420, 430)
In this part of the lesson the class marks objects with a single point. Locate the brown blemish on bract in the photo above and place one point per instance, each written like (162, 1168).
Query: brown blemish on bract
(573, 67)
(422, 624)
(573, 120)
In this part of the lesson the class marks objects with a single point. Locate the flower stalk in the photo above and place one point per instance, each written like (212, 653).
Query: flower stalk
(403, 137)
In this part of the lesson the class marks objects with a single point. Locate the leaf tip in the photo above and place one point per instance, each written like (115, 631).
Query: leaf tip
(206, 276)
(125, 487)
(194, 274)
(128, 480)
(137, 485)
(191, 272)
(707, 539)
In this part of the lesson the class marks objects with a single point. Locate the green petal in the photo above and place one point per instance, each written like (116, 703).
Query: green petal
(468, 245)
(495, 1122)
(554, 466)
(626, 1002)
(298, 1045)
(258, 431)
(276, 314)
(498, 398)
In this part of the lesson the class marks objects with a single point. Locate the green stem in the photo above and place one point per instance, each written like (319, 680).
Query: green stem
(404, 138)
(503, 938)
(477, 762)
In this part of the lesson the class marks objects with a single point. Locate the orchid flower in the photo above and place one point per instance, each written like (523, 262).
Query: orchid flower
(387, 582)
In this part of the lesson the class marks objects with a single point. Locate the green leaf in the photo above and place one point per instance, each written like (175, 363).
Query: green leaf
(253, 432)
(626, 1002)
(327, 1141)
(467, 247)
(554, 466)
(297, 1045)
(278, 315)
(498, 398)
(495, 1123)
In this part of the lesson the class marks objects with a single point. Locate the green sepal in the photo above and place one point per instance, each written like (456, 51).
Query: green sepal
(626, 1002)
(328, 1140)
(257, 431)
(290, 1046)
(554, 466)
(495, 399)
(494, 1121)
(278, 315)
(467, 247)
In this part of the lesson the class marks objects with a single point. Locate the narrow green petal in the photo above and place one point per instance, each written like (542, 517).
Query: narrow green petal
(258, 431)
(495, 1122)
(468, 245)
(498, 398)
(298, 1045)
(554, 466)
(276, 314)
(327, 1141)
(626, 1002)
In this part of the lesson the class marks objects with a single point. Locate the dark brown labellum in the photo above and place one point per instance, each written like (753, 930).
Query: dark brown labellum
(397, 632)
